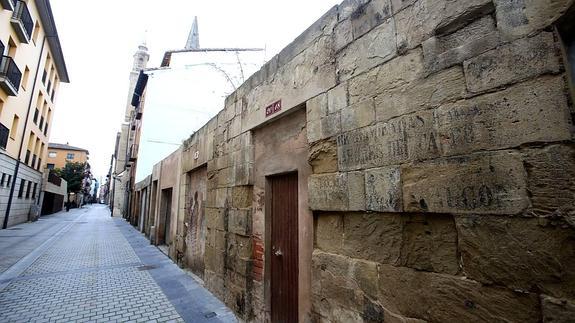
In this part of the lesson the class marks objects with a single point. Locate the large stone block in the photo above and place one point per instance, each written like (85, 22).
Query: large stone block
(557, 310)
(383, 189)
(358, 115)
(329, 232)
(529, 254)
(369, 15)
(374, 48)
(441, 52)
(240, 222)
(425, 18)
(421, 94)
(324, 128)
(506, 119)
(242, 196)
(516, 18)
(399, 71)
(487, 183)
(551, 179)
(429, 243)
(323, 157)
(337, 98)
(337, 192)
(440, 298)
(316, 107)
(215, 218)
(373, 237)
(407, 138)
(520, 60)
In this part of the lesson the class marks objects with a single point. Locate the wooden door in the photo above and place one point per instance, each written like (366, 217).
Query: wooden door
(284, 248)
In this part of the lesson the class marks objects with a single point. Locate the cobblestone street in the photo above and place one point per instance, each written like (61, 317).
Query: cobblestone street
(84, 266)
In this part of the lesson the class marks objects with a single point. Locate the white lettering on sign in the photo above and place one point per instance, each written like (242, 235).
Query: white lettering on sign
(274, 108)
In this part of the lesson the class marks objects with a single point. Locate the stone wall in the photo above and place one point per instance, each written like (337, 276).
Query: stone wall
(440, 166)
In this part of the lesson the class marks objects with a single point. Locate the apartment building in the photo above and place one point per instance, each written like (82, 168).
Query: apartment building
(31, 70)
(60, 154)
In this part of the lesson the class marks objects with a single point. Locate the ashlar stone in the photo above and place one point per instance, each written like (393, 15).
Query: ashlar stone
(425, 18)
(486, 183)
(397, 72)
(337, 192)
(383, 189)
(422, 94)
(407, 138)
(358, 115)
(521, 253)
(520, 60)
(516, 18)
(506, 119)
(444, 51)
(374, 48)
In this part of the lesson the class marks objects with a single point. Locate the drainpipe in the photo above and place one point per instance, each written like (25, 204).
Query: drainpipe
(17, 168)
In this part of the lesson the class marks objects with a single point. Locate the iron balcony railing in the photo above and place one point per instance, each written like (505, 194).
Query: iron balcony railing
(22, 15)
(54, 179)
(4, 133)
(8, 4)
(9, 73)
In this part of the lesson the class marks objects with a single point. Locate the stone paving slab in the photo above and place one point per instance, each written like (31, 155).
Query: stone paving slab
(84, 266)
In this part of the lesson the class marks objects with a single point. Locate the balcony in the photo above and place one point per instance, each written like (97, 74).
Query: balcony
(8, 4)
(10, 76)
(4, 133)
(22, 22)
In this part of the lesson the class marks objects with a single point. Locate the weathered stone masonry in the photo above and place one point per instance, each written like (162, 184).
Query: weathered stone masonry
(433, 142)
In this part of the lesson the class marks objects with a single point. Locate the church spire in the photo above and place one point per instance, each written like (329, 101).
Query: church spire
(194, 37)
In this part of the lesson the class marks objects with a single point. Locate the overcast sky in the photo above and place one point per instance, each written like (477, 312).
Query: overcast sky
(100, 37)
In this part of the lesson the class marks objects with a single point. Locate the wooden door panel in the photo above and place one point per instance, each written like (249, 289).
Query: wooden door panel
(284, 248)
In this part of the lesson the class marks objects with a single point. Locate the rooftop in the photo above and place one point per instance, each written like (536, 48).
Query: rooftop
(66, 147)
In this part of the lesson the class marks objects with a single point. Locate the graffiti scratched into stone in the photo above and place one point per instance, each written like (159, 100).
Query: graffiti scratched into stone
(402, 139)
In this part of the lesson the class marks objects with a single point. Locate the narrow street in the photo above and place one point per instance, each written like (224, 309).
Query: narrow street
(84, 266)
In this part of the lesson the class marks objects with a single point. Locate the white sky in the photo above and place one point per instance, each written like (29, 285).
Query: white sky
(100, 37)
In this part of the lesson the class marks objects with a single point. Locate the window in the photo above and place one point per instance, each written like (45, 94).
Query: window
(21, 189)
(52, 154)
(34, 191)
(4, 133)
(36, 33)
(70, 156)
(3, 179)
(11, 48)
(14, 128)
(9, 182)
(25, 77)
(28, 190)
(39, 164)
(27, 159)
(41, 122)
(50, 166)
(46, 129)
(36, 113)
(44, 76)
(1, 106)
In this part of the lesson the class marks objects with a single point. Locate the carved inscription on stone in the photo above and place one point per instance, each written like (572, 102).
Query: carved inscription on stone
(489, 183)
(402, 139)
(328, 192)
(383, 189)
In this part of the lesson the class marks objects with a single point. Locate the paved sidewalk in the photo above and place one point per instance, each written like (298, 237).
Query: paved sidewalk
(84, 266)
